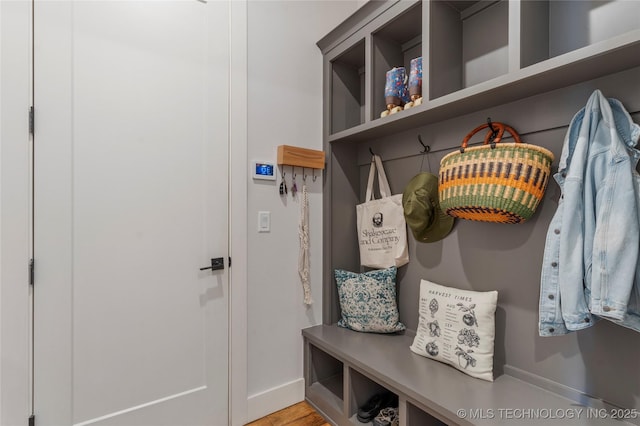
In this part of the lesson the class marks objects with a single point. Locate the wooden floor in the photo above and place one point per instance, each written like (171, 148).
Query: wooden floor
(300, 414)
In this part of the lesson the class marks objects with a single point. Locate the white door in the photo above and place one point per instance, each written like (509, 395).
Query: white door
(130, 200)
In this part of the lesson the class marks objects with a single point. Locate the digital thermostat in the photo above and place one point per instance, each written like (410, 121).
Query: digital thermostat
(263, 170)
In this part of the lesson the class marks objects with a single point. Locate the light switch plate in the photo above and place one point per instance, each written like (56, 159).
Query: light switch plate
(264, 221)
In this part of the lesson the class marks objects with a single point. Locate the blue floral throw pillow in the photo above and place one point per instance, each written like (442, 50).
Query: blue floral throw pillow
(368, 301)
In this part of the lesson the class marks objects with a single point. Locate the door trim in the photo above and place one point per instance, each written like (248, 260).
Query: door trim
(238, 327)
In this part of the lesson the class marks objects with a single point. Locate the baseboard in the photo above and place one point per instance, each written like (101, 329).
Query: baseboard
(274, 399)
(576, 395)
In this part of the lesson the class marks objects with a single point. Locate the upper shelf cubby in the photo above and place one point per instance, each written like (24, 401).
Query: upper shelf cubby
(395, 44)
(347, 88)
(475, 55)
(468, 44)
(552, 28)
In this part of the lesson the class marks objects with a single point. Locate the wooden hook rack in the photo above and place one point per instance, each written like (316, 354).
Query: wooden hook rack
(300, 157)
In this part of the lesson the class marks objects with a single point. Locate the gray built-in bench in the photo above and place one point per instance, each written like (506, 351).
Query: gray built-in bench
(344, 368)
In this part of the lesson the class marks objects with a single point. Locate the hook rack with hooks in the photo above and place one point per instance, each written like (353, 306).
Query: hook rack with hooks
(300, 157)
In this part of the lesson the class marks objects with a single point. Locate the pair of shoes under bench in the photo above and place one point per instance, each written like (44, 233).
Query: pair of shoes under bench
(372, 407)
(387, 417)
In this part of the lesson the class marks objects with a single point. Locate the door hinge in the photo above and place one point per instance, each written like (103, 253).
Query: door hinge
(32, 420)
(229, 261)
(31, 120)
(31, 271)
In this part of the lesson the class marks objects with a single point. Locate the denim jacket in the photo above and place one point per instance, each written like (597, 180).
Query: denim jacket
(590, 262)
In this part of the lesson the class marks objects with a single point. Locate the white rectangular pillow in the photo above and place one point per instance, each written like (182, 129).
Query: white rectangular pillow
(457, 327)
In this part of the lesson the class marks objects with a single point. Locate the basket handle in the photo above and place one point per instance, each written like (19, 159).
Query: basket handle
(497, 129)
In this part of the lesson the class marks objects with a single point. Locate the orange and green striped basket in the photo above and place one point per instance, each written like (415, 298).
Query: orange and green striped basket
(494, 182)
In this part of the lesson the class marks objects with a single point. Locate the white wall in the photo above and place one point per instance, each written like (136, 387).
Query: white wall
(284, 108)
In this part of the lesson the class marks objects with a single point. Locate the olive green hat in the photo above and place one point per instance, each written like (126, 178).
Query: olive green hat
(422, 211)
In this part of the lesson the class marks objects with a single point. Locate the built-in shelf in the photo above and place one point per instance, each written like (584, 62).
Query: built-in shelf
(476, 54)
(347, 88)
(589, 62)
(549, 29)
(395, 44)
(469, 44)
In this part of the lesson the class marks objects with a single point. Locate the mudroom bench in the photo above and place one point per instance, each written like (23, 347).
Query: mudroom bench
(344, 368)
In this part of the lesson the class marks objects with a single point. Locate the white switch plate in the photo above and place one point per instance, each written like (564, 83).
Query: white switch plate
(264, 221)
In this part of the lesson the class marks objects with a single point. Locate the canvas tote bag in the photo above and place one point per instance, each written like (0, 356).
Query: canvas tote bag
(382, 230)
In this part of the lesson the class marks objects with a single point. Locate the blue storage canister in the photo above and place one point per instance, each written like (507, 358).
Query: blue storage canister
(415, 78)
(395, 89)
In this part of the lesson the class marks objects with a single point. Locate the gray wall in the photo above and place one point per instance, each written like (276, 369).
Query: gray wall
(601, 361)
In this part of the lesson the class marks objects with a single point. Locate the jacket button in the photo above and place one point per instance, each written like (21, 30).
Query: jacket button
(587, 320)
(551, 297)
(554, 264)
(564, 174)
(606, 308)
(551, 330)
(556, 231)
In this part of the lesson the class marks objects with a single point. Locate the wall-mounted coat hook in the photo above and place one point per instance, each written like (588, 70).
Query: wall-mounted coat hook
(493, 129)
(425, 148)
(371, 151)
(294, 185)
(313, 176)
(304, 175)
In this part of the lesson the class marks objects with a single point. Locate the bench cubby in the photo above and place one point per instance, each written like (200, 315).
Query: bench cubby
(361, 389)
(325, 378)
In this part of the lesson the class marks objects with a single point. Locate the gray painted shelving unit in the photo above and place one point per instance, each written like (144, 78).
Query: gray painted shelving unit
(531, 64)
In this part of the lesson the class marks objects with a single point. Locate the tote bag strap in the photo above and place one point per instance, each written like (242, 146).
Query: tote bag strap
(385, 190)
(372, 172)
(383, 183)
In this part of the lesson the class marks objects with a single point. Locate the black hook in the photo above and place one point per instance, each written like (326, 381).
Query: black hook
(426, 148)
(314, 174)
(371, 151)
(304, 175)
(494, 132)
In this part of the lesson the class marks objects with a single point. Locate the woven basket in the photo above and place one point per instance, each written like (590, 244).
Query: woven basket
(494, 182)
